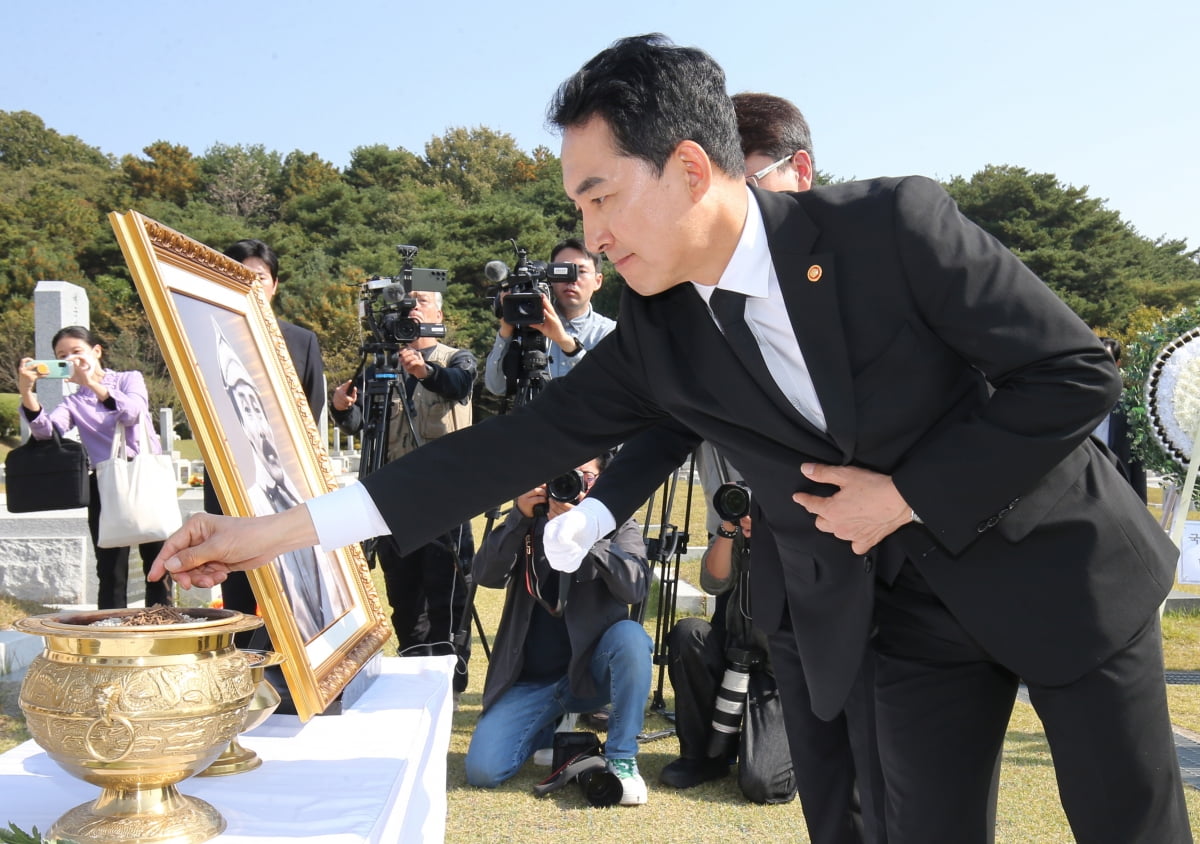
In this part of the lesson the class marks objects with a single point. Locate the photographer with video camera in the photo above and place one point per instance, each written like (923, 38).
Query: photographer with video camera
(562, 649)
(428, 395)
(719, 673)
(569, 324)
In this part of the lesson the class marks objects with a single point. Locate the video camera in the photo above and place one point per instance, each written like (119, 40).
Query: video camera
(386, 303)
(517, 295)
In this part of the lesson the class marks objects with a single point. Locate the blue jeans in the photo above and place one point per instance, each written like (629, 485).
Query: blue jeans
(522, 720)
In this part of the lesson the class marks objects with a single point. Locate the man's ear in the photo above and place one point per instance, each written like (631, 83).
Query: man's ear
(802, 161)
(599, 280)
(696, 166)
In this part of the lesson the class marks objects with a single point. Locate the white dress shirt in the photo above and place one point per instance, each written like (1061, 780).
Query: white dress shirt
(751, 273)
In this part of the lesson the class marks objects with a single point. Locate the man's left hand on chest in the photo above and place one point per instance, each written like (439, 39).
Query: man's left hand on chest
(866, 508)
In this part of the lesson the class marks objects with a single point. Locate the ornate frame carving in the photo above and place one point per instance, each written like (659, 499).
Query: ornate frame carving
(187, 290)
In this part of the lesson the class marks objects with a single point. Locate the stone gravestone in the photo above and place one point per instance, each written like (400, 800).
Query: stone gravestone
(48, 557)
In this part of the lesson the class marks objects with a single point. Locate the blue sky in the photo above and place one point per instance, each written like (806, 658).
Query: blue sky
(1102, 94)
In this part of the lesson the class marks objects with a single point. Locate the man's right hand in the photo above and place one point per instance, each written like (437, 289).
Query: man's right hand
(344, 396)
(551, 325)
(527, 502)
(207, 548)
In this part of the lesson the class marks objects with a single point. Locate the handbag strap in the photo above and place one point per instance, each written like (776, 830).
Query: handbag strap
(140, 434)
(145, 434)
(117, 450)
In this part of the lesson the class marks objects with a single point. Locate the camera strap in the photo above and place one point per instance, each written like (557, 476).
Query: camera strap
(540, 579)
(588, 760)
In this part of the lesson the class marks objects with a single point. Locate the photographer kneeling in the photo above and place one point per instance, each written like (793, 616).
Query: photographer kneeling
(553, 656)
(697, 658)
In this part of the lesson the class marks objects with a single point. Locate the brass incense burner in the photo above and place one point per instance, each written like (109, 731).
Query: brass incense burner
(135, 710)
(236, 758)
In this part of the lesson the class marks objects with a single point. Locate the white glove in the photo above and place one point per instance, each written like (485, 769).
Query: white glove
(569, 536)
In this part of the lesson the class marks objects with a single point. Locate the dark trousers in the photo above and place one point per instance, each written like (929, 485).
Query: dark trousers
(838, 774)
(112, 565)
(428, 595)
(696, 664)
(943, 706)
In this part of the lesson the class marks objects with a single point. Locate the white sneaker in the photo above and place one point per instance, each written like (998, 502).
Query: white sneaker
(633, 787)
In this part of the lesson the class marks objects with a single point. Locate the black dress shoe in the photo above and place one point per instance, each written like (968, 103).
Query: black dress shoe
(686, 773)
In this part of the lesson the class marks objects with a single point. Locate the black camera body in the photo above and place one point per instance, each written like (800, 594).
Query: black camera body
(386, 303)
(523, 287)
(579, 757)
(732, 501)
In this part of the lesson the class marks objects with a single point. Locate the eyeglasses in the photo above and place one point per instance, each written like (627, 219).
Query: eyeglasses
(753, 178)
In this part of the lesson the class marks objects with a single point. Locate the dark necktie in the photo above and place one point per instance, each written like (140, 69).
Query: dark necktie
(730, 308)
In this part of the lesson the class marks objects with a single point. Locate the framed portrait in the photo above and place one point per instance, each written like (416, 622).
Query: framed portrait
(261, 446)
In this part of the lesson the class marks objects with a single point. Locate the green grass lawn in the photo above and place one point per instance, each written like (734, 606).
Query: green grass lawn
(1028, 805)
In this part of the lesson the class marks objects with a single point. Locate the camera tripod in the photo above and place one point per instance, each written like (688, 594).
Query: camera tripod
(525, 381)
(525, 374)
(383, 388)
(665, 552)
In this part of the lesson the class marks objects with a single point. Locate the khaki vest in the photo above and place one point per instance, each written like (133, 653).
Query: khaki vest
(434, 415)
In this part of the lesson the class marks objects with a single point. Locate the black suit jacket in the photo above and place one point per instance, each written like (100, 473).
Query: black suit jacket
(939, 359)
(1121, 446)
(305, 352)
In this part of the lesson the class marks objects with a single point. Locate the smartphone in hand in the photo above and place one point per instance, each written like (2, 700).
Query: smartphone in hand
(52, 368)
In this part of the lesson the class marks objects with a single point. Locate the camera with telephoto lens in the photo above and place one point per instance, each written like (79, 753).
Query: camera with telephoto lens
(516, 295)
(732, 501)
(386, 303)
(579, 757)
(731, 702)
(567, 487)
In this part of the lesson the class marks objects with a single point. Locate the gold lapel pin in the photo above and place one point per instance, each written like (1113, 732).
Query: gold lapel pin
(814, 272)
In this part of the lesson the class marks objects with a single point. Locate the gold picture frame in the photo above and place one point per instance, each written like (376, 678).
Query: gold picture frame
(261, 446)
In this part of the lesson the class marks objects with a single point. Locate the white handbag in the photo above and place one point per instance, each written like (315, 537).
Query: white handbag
(139, 501)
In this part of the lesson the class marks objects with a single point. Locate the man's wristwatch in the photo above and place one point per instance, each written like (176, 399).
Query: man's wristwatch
(578, 348)
(728, 534)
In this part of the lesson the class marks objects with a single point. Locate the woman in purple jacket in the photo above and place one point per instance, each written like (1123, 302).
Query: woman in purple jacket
(103, 398)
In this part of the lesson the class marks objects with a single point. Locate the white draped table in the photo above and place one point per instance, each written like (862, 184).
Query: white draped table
(376, 773)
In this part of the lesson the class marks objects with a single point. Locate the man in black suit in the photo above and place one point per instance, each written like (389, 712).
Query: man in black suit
(912, 408)
(836, 774)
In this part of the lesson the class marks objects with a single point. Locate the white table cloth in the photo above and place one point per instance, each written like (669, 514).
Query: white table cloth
(376, 773)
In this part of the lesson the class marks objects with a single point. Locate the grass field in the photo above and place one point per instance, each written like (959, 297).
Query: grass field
(1028, 806)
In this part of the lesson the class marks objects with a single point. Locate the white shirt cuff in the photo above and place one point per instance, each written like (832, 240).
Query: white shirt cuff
(600, 514)
(346, 516)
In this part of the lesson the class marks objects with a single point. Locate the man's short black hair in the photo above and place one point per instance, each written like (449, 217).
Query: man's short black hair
(771, 126)
(251, 248)
(605, 458)
(578, 245)
(653, 95)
